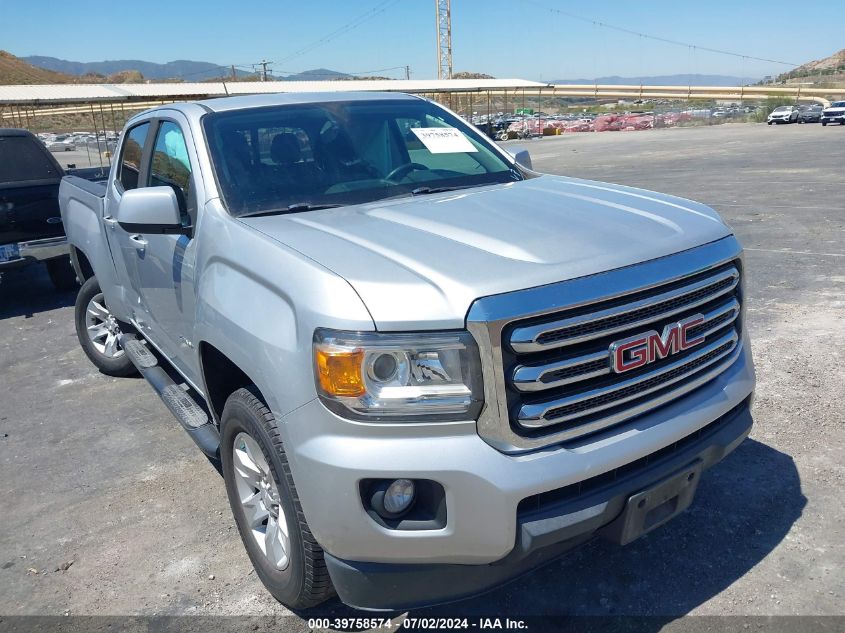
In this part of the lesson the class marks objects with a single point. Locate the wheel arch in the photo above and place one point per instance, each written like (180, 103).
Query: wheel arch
(81, 264)
(222, 377)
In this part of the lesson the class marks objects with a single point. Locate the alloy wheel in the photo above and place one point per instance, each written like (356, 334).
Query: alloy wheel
(102, 327)
(260, 501)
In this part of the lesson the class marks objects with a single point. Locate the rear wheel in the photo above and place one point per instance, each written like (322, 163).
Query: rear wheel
(98, 332)
(266, 506)
(62, 274)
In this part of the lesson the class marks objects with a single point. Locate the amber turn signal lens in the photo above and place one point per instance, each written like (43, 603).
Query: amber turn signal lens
(340, 372)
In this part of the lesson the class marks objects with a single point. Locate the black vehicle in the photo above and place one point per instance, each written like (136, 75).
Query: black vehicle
(31, 228)
(810, 114)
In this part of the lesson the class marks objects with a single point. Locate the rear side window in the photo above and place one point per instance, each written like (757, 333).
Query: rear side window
(130, 156)
(22, 159)
(171, 167)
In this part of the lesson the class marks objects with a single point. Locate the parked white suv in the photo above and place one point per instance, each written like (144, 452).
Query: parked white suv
(834, 114)
(783, 114)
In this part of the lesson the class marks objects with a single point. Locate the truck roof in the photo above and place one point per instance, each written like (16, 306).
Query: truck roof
(285, 98)
(14, 131)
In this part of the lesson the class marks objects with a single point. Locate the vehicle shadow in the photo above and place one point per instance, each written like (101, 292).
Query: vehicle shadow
(28, 291)
(744, 508)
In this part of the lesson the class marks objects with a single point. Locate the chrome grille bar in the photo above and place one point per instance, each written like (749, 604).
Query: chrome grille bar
(644, 407)
(534, 416)
(594, 325)
(528, 378)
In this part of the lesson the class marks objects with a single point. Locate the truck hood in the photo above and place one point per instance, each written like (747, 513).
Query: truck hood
(421, 262)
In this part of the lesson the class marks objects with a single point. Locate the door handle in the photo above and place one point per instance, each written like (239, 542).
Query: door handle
(139, 242)
(110, 222)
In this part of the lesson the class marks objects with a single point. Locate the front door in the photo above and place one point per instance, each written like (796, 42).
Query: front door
(125, 257)
(160, 268)
(166, 272)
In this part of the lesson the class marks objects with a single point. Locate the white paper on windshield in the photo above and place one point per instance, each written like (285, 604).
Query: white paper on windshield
(443, 140)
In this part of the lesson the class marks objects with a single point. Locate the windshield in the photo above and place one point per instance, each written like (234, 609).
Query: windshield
(783, 109)
(292, 157)
(838, 104)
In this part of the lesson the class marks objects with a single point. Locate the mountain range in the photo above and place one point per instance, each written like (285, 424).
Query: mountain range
(182, 69)
(665, 80)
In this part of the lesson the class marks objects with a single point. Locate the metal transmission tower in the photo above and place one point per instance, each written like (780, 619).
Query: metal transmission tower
(444, 38)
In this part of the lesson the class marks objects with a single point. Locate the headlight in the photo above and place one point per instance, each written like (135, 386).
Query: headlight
(415, 377)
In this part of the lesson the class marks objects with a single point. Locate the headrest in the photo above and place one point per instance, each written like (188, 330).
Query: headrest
(284, 150)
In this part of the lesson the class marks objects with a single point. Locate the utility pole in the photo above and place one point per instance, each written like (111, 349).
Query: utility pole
(443, 9)
(234, 75)
(263, 63)
(407, 72)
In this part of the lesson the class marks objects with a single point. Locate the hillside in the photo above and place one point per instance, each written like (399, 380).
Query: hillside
(829, 69)
(17, 71)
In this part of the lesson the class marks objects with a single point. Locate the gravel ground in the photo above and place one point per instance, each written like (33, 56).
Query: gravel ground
(107, 508)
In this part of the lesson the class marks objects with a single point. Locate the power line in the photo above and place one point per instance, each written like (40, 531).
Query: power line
(656, 38)
(378, 9)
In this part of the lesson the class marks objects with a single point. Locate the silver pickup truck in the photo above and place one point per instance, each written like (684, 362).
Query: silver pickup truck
(424, 367)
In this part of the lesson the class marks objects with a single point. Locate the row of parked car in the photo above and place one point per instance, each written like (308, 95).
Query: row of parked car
(73, 140)
(815, 113)
(536, 125)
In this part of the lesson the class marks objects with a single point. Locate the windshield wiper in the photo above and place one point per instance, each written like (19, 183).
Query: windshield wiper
(291, 208)
(421, 191)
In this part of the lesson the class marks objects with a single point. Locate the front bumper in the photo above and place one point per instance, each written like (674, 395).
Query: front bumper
(37, 251)
(484, 487)
(547, 526)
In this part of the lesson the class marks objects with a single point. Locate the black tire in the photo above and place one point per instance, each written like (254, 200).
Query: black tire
(305, 582)
(62, 274)
(824, 123)
(119, 366)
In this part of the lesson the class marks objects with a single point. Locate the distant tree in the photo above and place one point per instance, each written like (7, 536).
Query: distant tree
(468, 75)
(126, 77)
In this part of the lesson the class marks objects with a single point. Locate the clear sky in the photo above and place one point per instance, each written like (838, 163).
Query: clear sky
(505, 38)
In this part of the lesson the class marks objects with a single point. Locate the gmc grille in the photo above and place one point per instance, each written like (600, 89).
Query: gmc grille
(557, 367)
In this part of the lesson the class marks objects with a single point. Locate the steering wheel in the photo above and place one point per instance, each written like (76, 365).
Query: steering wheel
(404, 170)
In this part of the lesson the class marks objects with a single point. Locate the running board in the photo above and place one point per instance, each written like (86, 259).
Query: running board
(177, 396)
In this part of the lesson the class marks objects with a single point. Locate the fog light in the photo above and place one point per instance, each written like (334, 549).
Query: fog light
(399, 496)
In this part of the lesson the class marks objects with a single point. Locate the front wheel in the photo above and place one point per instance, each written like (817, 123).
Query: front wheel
(98, 332)
(824, 123)
(266, 507)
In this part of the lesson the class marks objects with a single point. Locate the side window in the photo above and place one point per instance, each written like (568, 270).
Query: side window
(130, 156)
(170, 167)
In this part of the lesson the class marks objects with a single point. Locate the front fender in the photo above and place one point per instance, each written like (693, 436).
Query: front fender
(259, 302)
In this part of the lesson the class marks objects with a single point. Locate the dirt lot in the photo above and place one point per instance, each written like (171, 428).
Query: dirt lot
(95, 472)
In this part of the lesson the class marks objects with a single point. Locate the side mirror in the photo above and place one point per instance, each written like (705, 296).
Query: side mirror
(150, 210)
(521, 156)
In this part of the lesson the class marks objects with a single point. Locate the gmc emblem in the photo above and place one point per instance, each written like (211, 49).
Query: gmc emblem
(648, 347)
